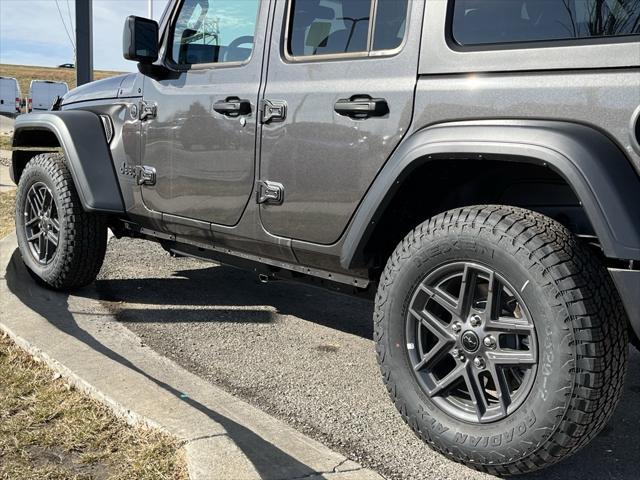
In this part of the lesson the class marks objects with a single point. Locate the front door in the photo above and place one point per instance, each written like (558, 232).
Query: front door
(202, 139)
(347, 72)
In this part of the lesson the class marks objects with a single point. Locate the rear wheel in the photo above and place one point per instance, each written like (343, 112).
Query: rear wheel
(500, 337)
(62, 245)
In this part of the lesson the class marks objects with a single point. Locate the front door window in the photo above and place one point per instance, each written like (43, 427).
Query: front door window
(214, 31)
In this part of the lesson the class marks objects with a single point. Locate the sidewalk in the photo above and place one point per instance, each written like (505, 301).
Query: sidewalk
(224, 438)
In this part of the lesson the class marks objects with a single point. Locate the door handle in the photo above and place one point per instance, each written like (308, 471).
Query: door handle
(362, 106)
(233, 107)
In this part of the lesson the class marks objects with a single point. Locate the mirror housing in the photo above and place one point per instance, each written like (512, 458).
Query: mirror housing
(140, 40)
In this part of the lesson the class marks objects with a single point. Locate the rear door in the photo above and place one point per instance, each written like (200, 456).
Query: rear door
(346, 72)
(202, 139)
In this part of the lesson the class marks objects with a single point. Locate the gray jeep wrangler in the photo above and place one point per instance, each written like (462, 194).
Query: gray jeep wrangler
(473, 165)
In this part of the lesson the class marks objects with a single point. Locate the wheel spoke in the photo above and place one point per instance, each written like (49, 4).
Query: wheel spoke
(35, 209)
(438, 351)
(432, 324)
(476, 390)
(448, 380)
(507, 325)
(55, 224)
(493, 297)
(52, 238)
(41, 246)
(502, 387)
(512, 357)
(467, 291)
(31, 222)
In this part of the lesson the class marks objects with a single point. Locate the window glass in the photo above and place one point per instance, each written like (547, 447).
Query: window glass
(321, 27)
(391, 23)
(477, 22)
(214, 31)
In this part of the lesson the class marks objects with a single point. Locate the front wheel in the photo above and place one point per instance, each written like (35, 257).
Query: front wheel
(501, 338)
(62, 245)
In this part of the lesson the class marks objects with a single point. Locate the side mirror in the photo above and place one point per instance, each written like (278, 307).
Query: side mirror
(140, 40)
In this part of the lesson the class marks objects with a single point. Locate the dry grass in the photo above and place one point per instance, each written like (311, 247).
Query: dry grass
(5, 141)
(7, 202)
(24, 75)
(48, 430)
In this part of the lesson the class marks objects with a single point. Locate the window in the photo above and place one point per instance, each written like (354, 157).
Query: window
(214, 31)
(333, 27)
(478, 22)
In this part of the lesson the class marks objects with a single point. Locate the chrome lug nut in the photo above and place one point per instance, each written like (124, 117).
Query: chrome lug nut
(456, 327)
(489, 342)
(475, 321)
(479, 362)
(455, 352)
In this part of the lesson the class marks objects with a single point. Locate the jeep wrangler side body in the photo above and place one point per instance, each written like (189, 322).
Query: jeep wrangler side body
(304, 149)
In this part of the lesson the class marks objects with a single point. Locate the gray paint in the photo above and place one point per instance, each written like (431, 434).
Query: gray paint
(606, 100)
(205, 160)
(105, 89)
(327, 161)
(441, 56)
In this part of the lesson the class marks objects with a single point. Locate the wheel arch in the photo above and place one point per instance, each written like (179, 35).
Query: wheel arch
(597, 171)
(80, 136)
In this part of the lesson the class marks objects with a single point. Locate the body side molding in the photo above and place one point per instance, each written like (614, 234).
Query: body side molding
(599, 173)
(82, 138)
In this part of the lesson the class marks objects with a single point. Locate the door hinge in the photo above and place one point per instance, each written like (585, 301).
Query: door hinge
(148, 110)
(273, 110)
(271, 193)
(146, 175)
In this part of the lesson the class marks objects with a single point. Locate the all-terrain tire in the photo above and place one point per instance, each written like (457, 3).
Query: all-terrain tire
(580, 326)
(82, 238)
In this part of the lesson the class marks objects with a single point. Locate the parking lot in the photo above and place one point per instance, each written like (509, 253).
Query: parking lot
(306, 356)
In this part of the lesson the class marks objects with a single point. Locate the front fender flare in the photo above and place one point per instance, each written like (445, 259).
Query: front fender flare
(81, 136)
(600, 174)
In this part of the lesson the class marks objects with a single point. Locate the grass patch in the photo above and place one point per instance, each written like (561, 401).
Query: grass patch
(6, 141)
(7, 202)
(48, 430)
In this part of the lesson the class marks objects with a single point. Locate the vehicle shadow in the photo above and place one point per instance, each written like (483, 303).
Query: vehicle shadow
(613, 454)
(268, 460)
(210, 295)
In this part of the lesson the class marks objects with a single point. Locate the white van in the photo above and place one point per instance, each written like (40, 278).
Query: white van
(42, 94)
(10, 96)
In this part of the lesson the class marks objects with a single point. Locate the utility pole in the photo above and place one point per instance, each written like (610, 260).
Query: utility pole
(151, 9)
(84, 41)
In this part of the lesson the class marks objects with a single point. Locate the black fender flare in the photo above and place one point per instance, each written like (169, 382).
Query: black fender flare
(597, 170)
(81, 136)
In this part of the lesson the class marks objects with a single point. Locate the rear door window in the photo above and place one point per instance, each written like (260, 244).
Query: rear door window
(338, 27)
(482, 22)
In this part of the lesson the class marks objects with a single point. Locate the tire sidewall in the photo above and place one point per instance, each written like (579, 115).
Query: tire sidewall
(34, 173)
(519, 434)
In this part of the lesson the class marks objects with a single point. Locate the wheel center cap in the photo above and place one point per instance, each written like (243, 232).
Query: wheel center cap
(470, 341)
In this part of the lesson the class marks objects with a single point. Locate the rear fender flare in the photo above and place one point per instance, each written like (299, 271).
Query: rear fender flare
(597, 170)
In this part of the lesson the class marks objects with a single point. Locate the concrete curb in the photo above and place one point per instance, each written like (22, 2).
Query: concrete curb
(223, 437)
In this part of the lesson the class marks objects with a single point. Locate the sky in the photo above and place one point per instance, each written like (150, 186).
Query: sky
(32, 32)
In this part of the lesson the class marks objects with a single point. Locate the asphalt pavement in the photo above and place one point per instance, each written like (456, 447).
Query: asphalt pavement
(306, 356)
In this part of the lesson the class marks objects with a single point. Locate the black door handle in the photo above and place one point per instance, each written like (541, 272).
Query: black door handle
(362, 106)
(233, 107)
